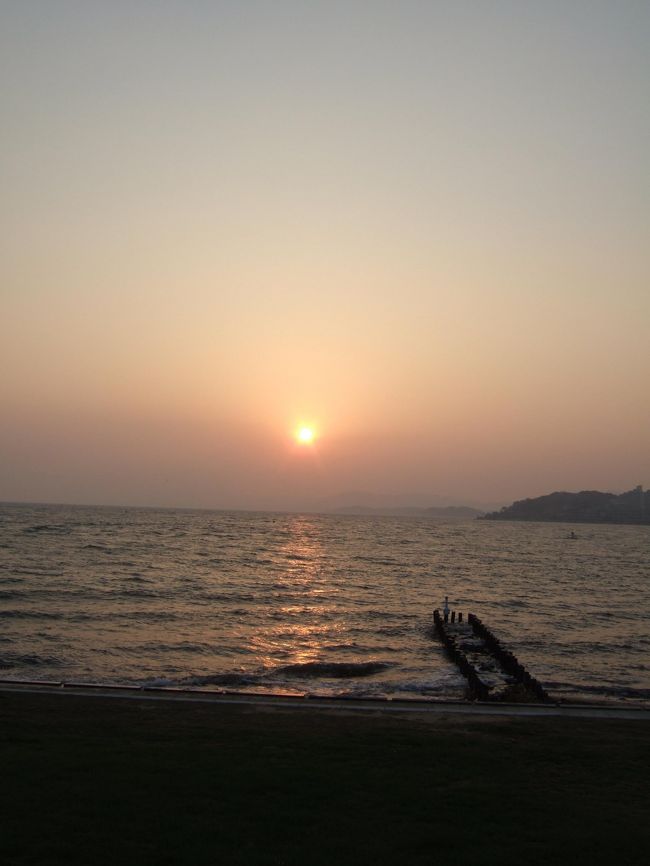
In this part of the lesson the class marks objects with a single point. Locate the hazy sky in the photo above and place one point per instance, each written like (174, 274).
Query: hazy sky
(422, 227)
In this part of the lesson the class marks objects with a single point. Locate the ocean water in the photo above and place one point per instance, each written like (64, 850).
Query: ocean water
(317, 605)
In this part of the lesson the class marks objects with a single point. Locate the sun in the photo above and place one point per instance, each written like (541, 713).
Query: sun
(305, 435)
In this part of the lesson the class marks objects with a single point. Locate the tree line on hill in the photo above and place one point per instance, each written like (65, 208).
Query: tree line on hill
(588, 506)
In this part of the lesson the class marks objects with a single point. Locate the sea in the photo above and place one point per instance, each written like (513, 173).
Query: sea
(316, 605)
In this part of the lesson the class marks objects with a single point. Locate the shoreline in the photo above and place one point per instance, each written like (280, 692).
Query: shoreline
(327, 704)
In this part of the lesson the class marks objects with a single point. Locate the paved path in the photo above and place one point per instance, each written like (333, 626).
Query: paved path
(335, 704)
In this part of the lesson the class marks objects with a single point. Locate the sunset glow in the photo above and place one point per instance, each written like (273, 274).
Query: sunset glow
(305, 435)
(280, 255)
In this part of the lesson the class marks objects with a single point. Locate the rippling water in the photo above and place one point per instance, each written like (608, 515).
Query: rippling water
(308, 604)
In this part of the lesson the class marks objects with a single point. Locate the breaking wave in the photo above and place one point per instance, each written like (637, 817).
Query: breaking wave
(335, 670)
(232, 679)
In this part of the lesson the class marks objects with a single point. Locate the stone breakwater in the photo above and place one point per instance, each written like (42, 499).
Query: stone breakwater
(493, 673)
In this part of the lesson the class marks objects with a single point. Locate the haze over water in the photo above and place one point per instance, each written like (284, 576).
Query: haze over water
(315, 604)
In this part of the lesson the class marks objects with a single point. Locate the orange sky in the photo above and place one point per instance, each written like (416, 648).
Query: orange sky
(423, 229)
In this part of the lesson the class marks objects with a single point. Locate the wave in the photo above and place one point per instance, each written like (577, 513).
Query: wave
(336, 670)
(16, 660)
(164, 616)
(151, 649)
(334, 647)
(306, 670)
(231, 679)
(46, 527)
(375, 560)
(29, 614)
(391, 631)
(129, 592)
(610, 691)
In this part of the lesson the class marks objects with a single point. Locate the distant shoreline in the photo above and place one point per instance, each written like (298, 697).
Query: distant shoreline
(461, 512)
(457, 512)
(631, 508)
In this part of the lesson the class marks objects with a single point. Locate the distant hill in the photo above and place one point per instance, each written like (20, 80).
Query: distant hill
(447, 511)
(588, 506)
(382, 502)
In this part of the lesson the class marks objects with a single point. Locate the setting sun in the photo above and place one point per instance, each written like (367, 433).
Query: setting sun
(305, 435)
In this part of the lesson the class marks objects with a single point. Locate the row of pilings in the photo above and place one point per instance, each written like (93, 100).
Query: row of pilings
(508, 661)
(477, 687)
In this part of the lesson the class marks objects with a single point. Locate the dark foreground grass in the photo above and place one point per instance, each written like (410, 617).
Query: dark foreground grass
(99, 781)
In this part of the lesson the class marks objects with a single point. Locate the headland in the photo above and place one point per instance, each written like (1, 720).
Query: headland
(587, 506)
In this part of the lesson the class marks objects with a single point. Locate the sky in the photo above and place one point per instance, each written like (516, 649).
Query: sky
(419, 228)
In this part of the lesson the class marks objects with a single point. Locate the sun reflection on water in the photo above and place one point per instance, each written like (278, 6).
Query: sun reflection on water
(283, 640)
(305, 603)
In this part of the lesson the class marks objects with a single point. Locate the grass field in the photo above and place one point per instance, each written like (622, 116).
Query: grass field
(99, 781)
